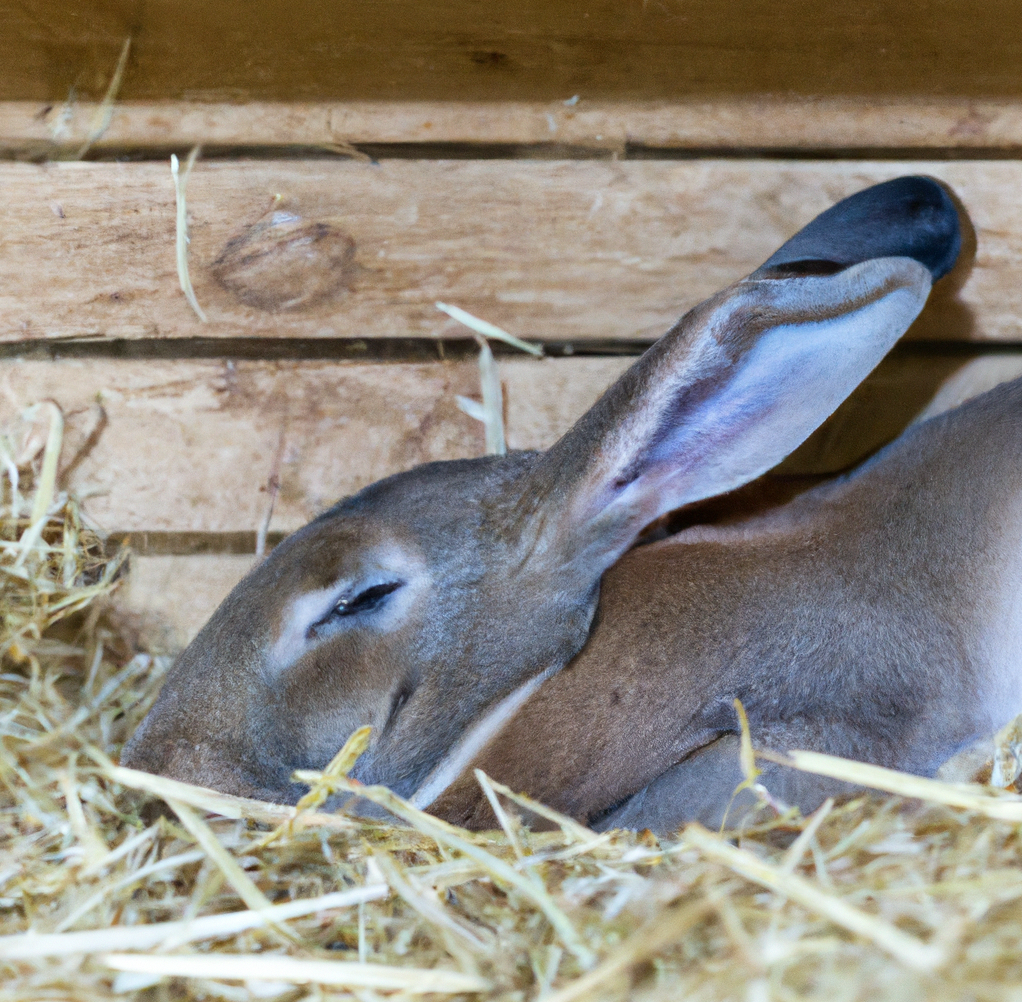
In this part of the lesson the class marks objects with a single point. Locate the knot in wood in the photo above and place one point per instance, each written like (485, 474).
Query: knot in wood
(284, 262)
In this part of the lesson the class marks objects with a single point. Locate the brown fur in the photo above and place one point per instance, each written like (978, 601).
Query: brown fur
(873, 617)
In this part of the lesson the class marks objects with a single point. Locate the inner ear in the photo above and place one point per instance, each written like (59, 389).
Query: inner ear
(747, 376)
(738, 384)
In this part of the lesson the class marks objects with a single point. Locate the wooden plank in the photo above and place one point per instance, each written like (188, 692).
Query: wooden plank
(293, 50)
(761, 122)
(171, 597)
(191, 446)
(563, 250)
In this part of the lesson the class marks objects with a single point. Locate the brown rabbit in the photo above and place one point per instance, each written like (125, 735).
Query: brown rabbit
(493, 612)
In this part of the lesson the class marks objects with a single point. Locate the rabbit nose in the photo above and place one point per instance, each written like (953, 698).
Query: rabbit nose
(172, 757)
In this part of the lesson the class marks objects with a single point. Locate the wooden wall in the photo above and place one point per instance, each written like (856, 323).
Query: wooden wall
(363, 161)
(302, 50)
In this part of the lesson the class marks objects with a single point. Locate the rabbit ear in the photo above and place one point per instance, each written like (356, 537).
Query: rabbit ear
(745, 377)
(738, 384)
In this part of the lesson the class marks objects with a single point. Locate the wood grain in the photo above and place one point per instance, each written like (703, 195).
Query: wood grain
(305, 50)
(190, 447)
(564, 250)
(761, 123)
(171, 597)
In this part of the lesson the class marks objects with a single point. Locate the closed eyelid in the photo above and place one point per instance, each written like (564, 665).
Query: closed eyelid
(305, 620)
(354, 600)
(298, 616)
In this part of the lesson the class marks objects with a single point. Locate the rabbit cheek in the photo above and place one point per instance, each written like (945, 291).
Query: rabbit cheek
(342, 684)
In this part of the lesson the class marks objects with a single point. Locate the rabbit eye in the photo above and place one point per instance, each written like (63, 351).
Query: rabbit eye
(364, 601)
(317, 616)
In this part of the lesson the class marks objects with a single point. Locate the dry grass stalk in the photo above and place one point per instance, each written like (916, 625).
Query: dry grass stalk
(491, 411)
(659, 933)
(346, 150)
(493, 401)
(487, 330)
(105, 111)
(905, 948)
(300, 971)
(181, 238)
(1006, 762)
(212, 802)
(220, 857)
(986, 801)
(446, 835)
(858, 902)
(145, 937)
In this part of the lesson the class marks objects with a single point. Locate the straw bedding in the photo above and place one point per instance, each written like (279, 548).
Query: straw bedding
(118, 885)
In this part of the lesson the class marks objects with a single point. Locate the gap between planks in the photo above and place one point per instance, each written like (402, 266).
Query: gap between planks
(385, 351)
(366, 349)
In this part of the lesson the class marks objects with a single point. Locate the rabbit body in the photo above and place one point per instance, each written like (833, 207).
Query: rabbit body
(876, 617)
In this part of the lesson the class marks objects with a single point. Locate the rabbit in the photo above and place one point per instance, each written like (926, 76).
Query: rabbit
(496, 613)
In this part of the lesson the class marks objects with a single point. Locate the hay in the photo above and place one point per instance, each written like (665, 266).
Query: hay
(486, 329)
(105, 111)
(106, 894)
(491, 411)
(181, 238)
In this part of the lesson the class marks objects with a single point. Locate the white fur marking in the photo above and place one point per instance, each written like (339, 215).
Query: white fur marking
(474, 739)
(302, 613)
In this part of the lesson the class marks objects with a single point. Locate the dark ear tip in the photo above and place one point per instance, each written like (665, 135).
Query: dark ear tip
(935, 213)
(906, 217)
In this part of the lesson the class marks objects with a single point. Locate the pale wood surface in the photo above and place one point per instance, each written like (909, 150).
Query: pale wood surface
(563, 250)
(173, 596)
(761, 122)
(190, 446)
(293, 50)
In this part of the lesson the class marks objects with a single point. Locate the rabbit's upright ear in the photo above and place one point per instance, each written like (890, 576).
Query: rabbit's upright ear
(745, 377)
